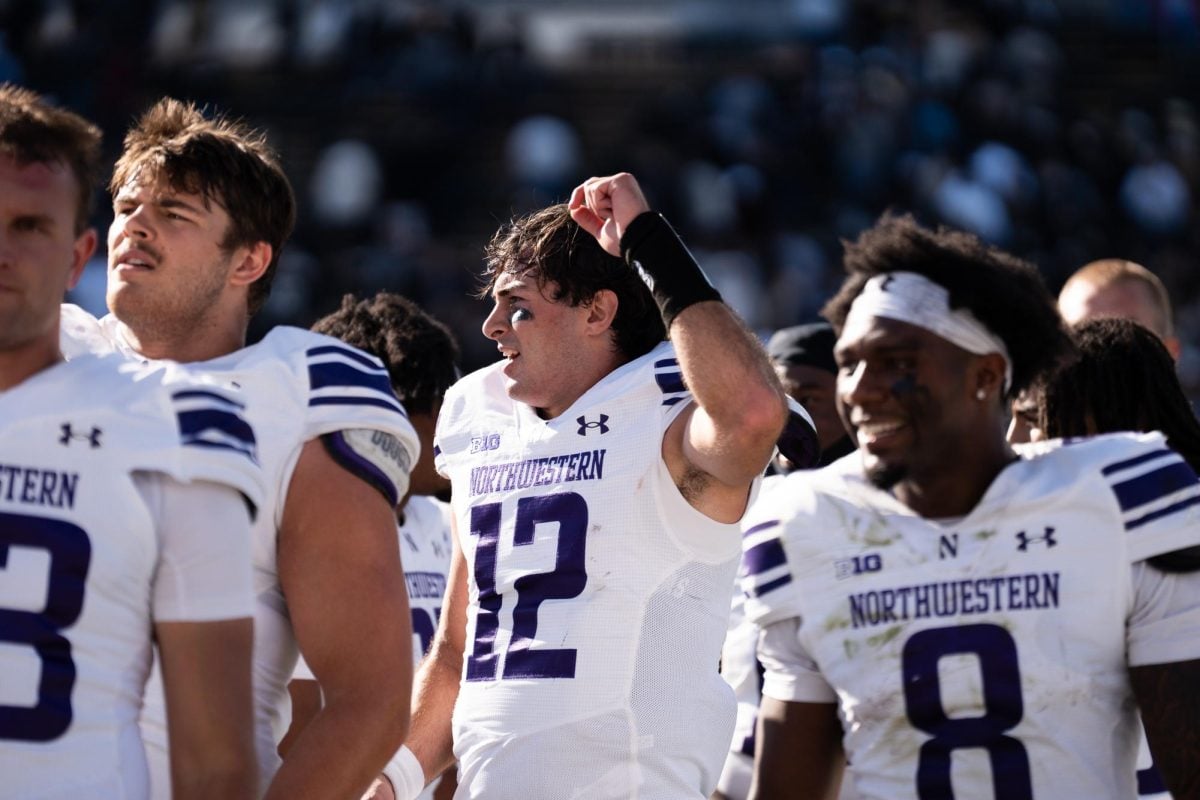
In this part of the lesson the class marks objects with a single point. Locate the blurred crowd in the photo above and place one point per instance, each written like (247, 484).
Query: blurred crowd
(767, 130)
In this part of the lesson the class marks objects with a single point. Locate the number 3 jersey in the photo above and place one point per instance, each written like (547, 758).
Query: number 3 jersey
(298, 385)
(598, 599)
(986, 657)
(93, 453)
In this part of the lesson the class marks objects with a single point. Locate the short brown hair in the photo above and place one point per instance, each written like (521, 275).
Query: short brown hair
(223, 161)
(551, 247)
(32, 131)
(1109, 271)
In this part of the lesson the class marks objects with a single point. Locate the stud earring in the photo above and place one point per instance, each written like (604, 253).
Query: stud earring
(980, 394)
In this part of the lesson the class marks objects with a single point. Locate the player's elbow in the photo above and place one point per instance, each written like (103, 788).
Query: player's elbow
(759, 425)
(379, 703)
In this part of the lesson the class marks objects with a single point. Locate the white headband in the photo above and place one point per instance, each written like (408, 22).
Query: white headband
(912, 298)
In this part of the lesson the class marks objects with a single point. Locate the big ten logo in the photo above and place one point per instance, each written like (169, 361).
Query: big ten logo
(857, 565)
(481, 443)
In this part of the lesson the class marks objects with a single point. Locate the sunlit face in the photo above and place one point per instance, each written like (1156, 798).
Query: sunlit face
(166, 265)
(41, 254)
(543, 341)
(902, 393)
(815, 389)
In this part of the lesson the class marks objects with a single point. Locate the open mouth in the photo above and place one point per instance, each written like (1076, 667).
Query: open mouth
(133, 260)
(876, 433)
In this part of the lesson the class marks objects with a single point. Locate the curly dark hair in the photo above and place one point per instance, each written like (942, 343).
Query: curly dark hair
(33, 131)
(420, 353)
(1123, 380)
(225, 162)
(549, 245)
(1004, 293)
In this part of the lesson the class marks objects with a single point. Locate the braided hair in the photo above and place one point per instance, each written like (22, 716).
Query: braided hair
(1123, 380)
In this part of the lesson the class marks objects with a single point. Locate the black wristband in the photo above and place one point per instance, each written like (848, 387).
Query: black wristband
(652, 248)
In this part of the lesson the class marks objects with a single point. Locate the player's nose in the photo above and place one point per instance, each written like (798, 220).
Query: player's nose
(495, 324)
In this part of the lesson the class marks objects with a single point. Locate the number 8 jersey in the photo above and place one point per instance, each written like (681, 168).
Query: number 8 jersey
(988, 656)
(95, 455)
(598, 596)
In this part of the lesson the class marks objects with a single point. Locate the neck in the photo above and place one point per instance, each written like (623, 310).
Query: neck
(955, 491)
(203, 342)
(587, 378)
(18, 365)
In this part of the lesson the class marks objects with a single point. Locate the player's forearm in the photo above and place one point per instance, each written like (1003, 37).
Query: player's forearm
(436, 691)
(729, 376)
(1169, 698)
(346, 745)
(727, 370)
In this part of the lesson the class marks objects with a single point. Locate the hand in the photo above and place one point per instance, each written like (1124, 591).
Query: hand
(604, 207)
(381, 789)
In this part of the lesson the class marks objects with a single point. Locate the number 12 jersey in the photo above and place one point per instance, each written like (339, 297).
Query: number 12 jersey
(598, 597)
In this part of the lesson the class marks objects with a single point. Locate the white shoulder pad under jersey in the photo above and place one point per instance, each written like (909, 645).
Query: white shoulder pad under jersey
(599, 596)
(81, 551)
(997, 643)
(79, 333)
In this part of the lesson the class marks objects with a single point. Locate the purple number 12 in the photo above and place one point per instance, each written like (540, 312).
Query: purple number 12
(566, 580)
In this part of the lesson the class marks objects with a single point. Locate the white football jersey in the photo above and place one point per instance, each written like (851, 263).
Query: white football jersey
(298, 386)
(598, 595)
(88, 451)
(425, 551)
(741, 670)
(986, 657)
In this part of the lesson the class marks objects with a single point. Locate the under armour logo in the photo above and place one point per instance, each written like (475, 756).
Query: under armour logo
(1025, 539)
(584, 425)
(68, 434)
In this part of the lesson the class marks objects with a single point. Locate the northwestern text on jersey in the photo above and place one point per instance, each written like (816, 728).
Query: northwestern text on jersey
(953, 598)
(38, 487)
(587, 465)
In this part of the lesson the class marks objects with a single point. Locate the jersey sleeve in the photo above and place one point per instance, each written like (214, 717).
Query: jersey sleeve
(1157, 493)
(674, 394)
(217, 443)
(1165, 623)
(770, 560)
(204, 571)
(790, 673)
(348, 389)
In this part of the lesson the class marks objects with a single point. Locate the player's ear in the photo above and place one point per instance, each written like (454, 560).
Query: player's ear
(252, 263)
(85, 246)
(987, 376)
(602, 311)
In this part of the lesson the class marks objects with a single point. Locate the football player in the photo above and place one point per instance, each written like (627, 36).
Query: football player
(123, 517)
(1104, 391)
(957, 619)
(201, 208)
(421, 357)
(598, 476)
